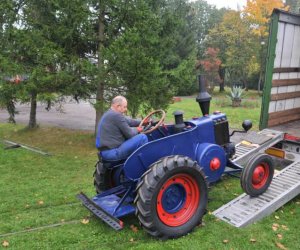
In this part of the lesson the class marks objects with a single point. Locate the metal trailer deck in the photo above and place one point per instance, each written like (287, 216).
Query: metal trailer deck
(245, 210)
(285, 185)
(255, 142)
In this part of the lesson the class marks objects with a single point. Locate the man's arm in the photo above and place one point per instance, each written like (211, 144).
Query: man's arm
(124, 126)
(132, 122)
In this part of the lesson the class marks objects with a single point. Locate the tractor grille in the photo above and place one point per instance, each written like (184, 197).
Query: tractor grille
(221, 132)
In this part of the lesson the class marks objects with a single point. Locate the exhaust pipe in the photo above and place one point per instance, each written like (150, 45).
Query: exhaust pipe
(203, 97)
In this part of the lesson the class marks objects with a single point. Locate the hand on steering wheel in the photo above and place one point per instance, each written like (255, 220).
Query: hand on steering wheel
(152, 125)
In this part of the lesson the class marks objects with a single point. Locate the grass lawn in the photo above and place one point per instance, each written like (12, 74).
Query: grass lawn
(250, 108)
(38, 192)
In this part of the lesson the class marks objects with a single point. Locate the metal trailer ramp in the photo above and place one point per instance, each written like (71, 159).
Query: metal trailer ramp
(245, 210)
(258, 142)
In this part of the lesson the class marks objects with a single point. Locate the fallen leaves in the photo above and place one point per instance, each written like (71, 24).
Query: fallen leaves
(134, 228)
(275, 227)
(280, 246)
(279, 236)
(85, 221)
(41, 202)
(5, 243)
(277, 217)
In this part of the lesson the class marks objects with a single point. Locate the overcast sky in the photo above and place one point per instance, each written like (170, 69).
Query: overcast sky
(232, 4)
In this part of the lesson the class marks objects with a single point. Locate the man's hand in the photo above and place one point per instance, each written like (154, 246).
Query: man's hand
(139, 129)
(147, 121)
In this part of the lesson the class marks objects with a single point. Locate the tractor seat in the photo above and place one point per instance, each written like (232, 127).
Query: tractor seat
(110, 164)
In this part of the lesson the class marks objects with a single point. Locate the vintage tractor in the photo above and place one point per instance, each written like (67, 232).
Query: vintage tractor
(165, 181)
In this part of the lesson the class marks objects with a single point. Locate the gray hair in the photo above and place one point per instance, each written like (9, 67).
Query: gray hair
(118, 100)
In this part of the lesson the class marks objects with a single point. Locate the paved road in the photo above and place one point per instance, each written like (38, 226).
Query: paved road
(75, 116)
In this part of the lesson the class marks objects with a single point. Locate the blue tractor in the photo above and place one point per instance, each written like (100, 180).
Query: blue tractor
(165, 182)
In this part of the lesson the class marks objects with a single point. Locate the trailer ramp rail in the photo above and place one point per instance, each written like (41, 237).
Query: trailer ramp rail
(258, 143)
(245, 210)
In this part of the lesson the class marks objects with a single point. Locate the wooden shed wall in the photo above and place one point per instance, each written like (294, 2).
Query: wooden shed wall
(284, 96)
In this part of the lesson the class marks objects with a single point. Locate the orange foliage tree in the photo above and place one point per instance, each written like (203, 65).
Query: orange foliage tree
(210, 67)
(258, 13)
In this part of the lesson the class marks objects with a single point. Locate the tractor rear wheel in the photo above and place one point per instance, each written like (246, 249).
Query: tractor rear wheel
(171, 197)
(257, 176)
(102, 178)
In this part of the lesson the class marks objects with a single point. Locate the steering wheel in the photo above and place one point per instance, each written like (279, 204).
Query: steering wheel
(149, 128)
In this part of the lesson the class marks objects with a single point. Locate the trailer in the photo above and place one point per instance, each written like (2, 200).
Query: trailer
(279, 124)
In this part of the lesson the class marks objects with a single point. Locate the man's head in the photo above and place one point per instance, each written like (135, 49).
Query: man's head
(119, 104)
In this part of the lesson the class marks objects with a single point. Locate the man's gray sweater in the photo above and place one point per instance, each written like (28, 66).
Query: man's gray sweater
(113, 129)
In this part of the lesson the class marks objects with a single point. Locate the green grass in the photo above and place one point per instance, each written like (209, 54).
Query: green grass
(250, 108)
(37, 191)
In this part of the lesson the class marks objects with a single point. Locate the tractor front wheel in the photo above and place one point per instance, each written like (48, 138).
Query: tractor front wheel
(257, 176)
(171, 197)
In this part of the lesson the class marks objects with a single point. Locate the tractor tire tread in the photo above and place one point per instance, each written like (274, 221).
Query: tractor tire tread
(148, 184)
(247, 171)
(100, 178)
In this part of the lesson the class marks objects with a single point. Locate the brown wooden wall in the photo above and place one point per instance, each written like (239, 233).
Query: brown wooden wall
(284, 103)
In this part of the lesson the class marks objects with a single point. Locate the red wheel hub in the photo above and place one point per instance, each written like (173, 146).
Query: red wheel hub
(178, 200)
(215, 164)
(260, 175)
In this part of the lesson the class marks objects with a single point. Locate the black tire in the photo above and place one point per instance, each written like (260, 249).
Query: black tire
(257, 176)
(153, 194)
(102, 178)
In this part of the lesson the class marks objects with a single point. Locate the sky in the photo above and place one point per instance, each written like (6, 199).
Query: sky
(232, 4)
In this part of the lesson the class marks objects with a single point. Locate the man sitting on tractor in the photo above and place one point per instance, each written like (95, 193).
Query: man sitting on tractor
(118, 135)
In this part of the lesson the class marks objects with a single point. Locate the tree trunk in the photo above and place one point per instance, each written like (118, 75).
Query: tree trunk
(100, 87)
(245, 83)
(11, 109)
(32, 117)
(222, 78)
(259, 81)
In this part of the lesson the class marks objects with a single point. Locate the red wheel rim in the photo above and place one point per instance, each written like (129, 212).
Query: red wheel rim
(178, 200)
(260, 175)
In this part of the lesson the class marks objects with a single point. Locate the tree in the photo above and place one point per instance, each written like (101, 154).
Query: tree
(46, 43)
(210, 67)
(177, 47)
(35, 53)
(237, 46)
(257, 13)
(293, 5)
(141, 45)
(8, 69)
(143, 49)
(206, 17)
(8, 97)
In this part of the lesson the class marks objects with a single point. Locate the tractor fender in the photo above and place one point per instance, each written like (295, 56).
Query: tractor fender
(212, 159)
